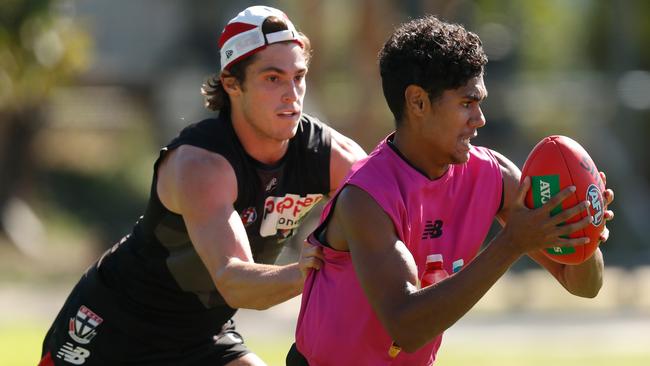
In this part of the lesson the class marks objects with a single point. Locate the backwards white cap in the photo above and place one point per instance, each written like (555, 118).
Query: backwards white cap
(243, 35)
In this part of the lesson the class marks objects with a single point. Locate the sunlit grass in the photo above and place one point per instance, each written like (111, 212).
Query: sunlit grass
(538, 355)
(20, 345)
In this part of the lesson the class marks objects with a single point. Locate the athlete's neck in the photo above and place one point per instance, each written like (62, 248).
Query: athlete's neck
(417, 153)
(259, 146)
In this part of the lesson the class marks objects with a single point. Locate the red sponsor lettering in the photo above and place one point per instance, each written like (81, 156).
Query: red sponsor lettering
(286, 203)
(269, 205)
(294, 204)
(306, 202)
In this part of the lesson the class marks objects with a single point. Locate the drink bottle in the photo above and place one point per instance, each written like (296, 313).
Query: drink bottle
(433, 273)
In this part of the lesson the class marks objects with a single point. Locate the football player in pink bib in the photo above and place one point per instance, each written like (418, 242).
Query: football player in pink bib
(425, 191)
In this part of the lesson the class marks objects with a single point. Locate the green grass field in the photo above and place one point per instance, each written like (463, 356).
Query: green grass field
(537, 356)
(20, 346)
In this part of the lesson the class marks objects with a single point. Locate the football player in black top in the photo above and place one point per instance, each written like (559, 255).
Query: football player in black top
(226, 194)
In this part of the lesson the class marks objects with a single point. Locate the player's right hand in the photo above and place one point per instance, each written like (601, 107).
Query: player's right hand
(311, 257)
(528, 230)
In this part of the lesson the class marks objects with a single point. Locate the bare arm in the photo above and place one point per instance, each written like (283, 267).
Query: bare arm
(584, 279)
(414, 317)
(202, 187)
(345, 152)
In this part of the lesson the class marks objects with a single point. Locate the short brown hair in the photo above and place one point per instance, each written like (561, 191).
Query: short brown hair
(216, 98)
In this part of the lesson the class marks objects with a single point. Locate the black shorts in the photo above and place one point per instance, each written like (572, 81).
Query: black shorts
(83, 333)
(295, 358)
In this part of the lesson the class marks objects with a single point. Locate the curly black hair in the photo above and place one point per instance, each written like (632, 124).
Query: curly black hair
(429, 53)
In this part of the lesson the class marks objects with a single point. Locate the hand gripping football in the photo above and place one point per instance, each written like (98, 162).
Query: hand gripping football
(555, 163)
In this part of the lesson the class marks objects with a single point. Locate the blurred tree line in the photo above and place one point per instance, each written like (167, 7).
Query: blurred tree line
(39, 49)
(579, 68)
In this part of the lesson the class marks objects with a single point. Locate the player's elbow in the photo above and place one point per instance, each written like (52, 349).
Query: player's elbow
(586, 288)
(228, 284)
(224, 282)
(407, 340)
(408, 343)
(589, 292)
(407, 334)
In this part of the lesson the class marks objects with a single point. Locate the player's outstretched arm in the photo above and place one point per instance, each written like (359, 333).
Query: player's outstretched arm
(584, 279)
(202, 187)
(387, 272)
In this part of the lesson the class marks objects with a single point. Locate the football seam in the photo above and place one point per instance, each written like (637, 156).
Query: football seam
(530, 157)
(573, 183)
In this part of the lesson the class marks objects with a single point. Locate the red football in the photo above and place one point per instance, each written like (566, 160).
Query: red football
(555, 163)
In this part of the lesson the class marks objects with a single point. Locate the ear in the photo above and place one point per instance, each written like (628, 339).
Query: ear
(230, 84)
(416, 100)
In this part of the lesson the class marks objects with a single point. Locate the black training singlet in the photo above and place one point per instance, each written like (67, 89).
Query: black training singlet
(155, 274)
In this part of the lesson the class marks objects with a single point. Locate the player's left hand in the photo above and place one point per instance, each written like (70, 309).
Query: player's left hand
(609, 214)
(311, 257)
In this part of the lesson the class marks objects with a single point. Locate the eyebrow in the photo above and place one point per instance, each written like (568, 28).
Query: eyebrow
(475, 96)
(278, 70)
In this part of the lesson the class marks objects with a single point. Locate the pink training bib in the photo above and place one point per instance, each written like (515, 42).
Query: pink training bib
(450, 216)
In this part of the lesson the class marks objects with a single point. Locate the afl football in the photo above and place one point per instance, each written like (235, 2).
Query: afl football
(555, 163)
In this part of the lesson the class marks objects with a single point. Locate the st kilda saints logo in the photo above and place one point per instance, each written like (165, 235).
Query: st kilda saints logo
(248, 216)
(83, 326)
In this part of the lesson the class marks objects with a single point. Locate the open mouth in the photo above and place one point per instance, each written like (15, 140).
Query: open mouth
(466, 140)
(288, 114)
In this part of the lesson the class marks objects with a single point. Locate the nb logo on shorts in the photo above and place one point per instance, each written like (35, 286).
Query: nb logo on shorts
(432, 230)
(71, 354)
(228, 338)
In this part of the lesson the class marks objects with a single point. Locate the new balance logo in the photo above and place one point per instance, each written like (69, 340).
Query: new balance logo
(432, 229)
(229, 53)
(272, 184)
(74, 355)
